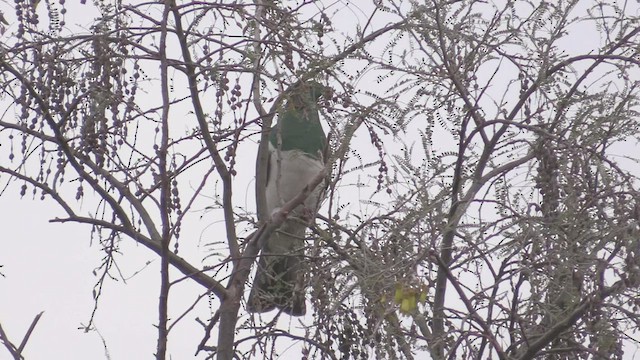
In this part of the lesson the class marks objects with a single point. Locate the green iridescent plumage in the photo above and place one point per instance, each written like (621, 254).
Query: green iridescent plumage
(299, 125)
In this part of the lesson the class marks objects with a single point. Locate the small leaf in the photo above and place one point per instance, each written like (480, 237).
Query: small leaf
(398, 295)
(406, 306)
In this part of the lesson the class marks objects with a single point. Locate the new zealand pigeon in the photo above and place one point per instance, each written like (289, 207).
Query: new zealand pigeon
(297, 147)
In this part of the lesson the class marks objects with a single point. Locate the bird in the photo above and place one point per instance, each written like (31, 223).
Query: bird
(297, 154)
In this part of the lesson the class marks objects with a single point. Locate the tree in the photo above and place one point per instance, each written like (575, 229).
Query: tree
(494, 213)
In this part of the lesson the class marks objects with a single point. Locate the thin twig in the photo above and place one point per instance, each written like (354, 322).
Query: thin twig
(9, 345)
(16, 352)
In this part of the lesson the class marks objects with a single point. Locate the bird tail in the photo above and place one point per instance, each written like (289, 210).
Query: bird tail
(279, 281)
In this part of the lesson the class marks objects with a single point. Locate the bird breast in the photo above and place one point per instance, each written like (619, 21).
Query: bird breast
(290, 171)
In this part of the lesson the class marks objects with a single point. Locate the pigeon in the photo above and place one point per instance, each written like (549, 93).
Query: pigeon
(297, 152)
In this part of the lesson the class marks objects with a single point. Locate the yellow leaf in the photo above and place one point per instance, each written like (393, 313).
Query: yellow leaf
(398, 295)
(423, 296)
(406, 306)
(409, 304)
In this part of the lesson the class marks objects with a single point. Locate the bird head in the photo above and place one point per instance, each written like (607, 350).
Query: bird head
(316, 90)
(308, 92)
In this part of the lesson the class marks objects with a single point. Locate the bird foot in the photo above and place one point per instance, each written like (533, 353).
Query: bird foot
(277, 213)
(307, 214)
